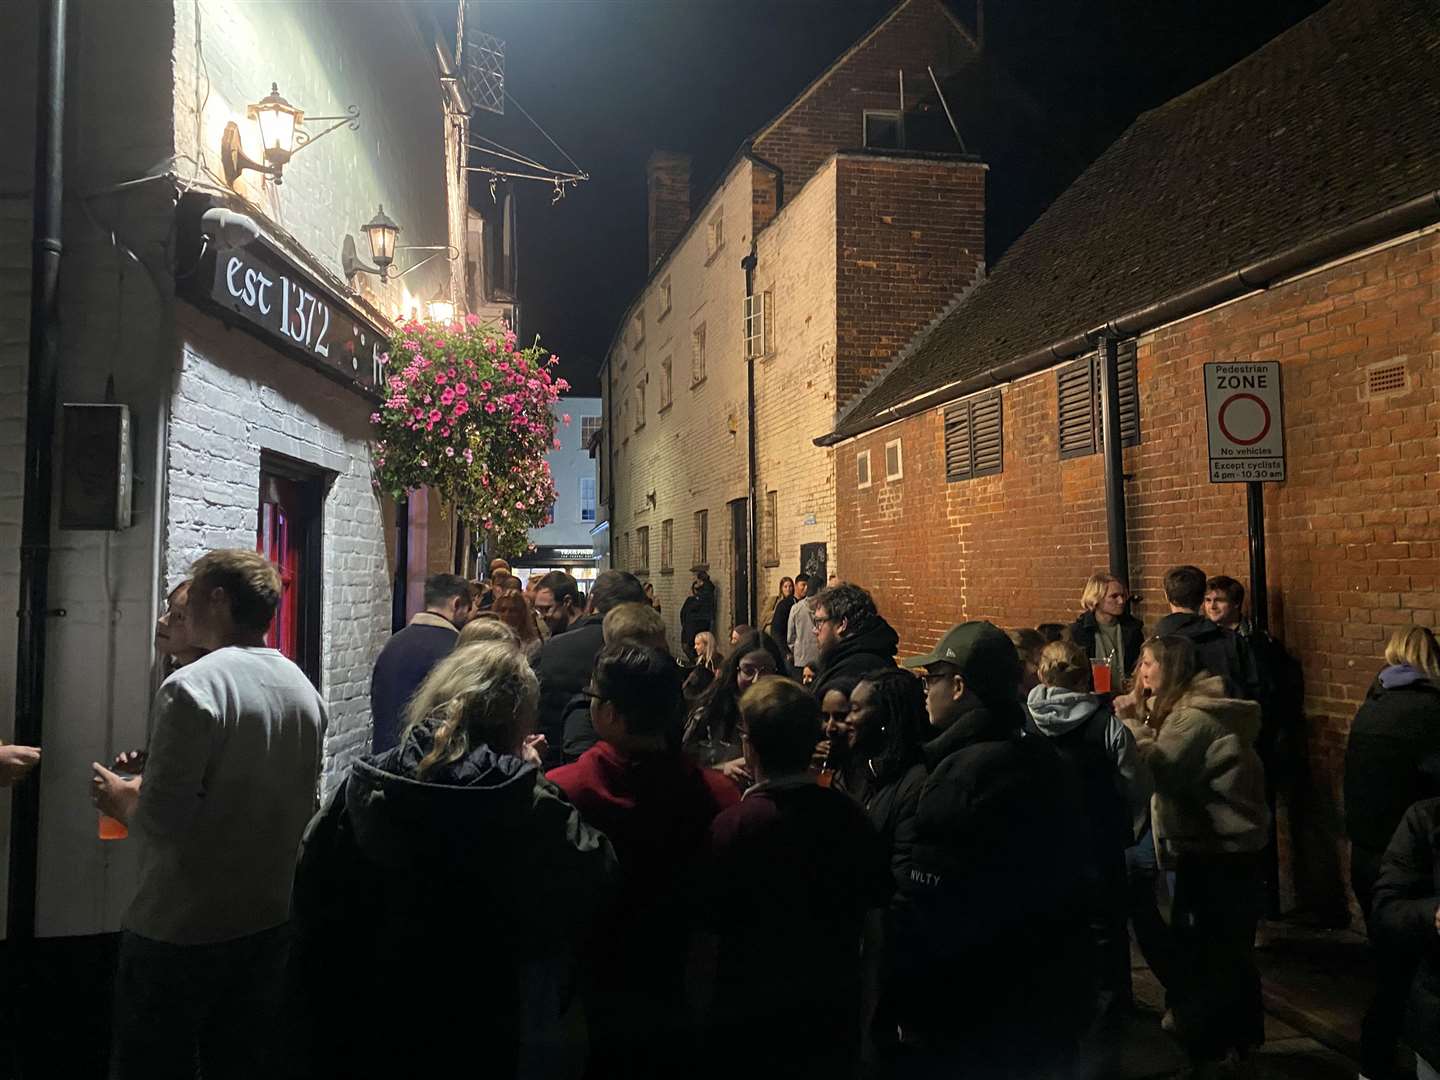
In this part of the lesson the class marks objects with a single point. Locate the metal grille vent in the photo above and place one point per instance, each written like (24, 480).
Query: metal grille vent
(1385, 379)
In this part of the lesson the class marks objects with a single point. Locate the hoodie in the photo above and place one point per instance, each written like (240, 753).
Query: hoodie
(483, 873)
(1209, 782)
(1075, 721)
(1392, 758)
(871, 648)
(1219, 651)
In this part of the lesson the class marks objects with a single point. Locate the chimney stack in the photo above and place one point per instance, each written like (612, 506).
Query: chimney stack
(667, 175)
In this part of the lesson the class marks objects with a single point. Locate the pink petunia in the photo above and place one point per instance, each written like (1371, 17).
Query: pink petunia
(460, 410)
(461, 389)
(556, 444)
(490, 406)
(447, 397)
(436, 415)
(444, 432)
(441, 379)
(374, 417)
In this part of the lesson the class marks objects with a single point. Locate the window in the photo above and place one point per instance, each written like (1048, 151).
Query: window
(884, 130)
(772, 528)
(862, 469)
(589, 425)
(637, 328)
(974, 439)
(702, 538)
(1078, 387)
(640, 405)
(666, 384)
(715, 235)
(642, 546)
(664, 298)
(697, 355)
(587, 498)
(667, 546)
(757, 336)
(893, 464)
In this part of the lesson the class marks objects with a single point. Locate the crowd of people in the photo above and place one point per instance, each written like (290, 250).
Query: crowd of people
(573, 853)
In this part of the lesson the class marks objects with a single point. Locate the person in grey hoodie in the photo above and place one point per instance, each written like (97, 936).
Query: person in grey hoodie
(1065, 710)
(1211, 824)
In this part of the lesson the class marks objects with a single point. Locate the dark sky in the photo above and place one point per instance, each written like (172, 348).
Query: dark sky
(610, 80)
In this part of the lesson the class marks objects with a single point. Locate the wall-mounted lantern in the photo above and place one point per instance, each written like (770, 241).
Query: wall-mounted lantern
(383, 232)
(282, 136)
(440, 309)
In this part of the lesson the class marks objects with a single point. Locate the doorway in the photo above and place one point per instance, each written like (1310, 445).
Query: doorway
(290, 535)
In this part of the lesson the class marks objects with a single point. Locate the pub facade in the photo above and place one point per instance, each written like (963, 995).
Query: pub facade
(255, 197)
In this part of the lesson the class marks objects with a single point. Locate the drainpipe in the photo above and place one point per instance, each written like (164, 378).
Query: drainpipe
(40, 398)
(401, 586)
(748, 264)
(1115, 531)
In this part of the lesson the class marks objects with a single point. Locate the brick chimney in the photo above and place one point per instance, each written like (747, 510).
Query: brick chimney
(667, 176)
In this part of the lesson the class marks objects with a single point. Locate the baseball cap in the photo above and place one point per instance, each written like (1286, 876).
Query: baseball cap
(979, 649)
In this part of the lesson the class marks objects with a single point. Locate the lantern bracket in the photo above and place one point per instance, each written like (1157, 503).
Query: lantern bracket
(351, 119)
(350, 260)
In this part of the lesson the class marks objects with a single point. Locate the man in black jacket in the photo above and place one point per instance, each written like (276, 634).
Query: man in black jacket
(697, 613)
(854, 639)
(991, 960)
(408, 656)
(1219, 651)
(566, 659)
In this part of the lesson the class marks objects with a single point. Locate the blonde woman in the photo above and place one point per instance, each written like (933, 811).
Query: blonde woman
(451, 845)
(1391, 761)
(1106, 630)
(487, 626)
(1211, 822)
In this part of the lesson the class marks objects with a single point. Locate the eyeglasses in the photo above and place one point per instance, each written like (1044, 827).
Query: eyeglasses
(930, 678)
(753, 672)
(818, 619)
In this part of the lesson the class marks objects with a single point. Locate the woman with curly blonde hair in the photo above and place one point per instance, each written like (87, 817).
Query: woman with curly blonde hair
(455, 827)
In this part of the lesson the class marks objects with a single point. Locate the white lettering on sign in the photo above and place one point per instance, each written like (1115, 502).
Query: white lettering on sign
(1244, 418)
(304, 317)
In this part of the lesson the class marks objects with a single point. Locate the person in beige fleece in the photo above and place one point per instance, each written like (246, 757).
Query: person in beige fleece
(1211, 823)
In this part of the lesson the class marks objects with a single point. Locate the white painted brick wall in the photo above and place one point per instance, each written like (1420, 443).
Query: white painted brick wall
(233, 398)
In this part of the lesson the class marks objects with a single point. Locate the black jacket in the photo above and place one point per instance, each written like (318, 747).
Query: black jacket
(1390, 759)
(484, 868)
(1406, 898)
(696, 613)
(1132, 636)
(1219, 651)
(892, 805)
(990, 918)
(871, 648)
(780, 621)
(400, 669)
(563, 668)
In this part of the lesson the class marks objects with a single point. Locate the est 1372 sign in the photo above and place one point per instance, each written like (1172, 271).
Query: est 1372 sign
(289, 308)
(1245, 417)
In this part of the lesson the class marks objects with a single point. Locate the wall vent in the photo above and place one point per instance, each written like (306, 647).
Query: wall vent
(1386, 378)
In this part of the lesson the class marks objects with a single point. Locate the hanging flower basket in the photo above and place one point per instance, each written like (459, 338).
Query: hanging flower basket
(468, 415)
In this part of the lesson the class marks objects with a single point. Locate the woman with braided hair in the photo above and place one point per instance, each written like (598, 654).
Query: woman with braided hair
(450, 852)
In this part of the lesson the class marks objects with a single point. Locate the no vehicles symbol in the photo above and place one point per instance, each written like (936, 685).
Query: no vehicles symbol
(1245, 421)
(1242, 414)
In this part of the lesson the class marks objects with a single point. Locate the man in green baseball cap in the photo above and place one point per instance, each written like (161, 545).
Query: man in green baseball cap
(974, 660)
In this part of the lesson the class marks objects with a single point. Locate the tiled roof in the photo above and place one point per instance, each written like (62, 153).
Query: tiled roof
(1335, 120)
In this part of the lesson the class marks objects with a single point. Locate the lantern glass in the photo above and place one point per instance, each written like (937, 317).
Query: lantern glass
(383, 232)
(440, 310)
(278, 120)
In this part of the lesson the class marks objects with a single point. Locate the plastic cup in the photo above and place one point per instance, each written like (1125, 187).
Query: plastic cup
(112, 828)
(1101, 674)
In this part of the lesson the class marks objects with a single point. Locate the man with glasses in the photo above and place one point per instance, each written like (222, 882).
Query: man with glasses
(854, 639)
(558, 602)
(656, 806)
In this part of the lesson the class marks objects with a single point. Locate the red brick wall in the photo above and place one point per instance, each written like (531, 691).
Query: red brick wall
(830, 117)
(1353, 536)
(910, 236)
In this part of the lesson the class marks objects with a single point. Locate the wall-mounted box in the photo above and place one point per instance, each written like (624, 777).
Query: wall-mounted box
(96, 481)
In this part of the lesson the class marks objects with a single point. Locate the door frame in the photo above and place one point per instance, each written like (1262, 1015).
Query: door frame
(314, 483)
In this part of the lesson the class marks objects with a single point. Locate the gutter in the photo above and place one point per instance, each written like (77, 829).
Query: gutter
(1416, 213)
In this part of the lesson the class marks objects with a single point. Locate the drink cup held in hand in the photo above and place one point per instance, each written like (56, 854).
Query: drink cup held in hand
(1100, 672)
(112, 828)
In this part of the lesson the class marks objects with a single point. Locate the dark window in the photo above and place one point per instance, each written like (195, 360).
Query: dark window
(974, 438)
(1080, 429)
(884, 130)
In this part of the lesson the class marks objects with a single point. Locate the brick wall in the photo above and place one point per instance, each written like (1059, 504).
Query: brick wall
(911, 235)
(1352, 535)
(667, 183)
(830, 116)
(235, 397)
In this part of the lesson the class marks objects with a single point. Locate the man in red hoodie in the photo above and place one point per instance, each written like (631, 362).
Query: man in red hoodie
(656, 806)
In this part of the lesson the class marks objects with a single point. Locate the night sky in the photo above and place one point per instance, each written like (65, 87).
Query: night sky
(611, 80)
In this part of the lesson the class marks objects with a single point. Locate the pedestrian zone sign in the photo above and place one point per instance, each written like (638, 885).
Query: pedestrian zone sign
(1246, 421)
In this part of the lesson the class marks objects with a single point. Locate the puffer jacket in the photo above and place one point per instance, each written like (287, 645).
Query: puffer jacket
(1403, 918)
(483, 867)
(1209, 782)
